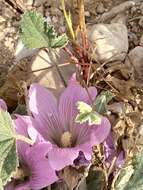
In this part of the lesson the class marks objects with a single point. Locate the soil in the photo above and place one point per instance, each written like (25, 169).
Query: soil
(126, 109)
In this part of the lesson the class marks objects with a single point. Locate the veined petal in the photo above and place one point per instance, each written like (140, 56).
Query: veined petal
(43, 106)
(100, 132)
(42, 174)
(21, 124)
(62, 157)
(41, 100)
(23, 186)
(3, 105)
(69, 98)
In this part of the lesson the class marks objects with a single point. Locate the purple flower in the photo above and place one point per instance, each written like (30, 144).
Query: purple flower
(110, 152)
(55, 121)
(34, 163)
(3, 104)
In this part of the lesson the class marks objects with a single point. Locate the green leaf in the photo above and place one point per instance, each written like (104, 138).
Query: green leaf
(37, 33)
(94, 118)
(86, 114)
(1, 185)
(124, 177)
(95, 180)
(102, 100)
(20, 109)
(131, 178)
(8, 154)
(83, 107)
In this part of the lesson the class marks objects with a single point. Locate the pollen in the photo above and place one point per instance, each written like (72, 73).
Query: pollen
(66, 139)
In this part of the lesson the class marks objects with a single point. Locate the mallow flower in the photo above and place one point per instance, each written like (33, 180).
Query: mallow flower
(55, 121)
(110, 153)
(34, 165)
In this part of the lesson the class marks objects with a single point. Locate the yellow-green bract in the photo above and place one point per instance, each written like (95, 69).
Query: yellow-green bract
(87, 114)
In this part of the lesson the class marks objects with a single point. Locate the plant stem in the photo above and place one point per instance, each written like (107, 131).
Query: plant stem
(82, 24)
(68, 20)
(112, 166)
(81, 15)
(24, 139)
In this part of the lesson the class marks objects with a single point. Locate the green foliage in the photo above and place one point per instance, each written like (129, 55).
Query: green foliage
(37, 33)
(20, 109)
(124, 177)
(102, 100)
(8, 154)
(131, 178)
(86, 114)
(95, 180)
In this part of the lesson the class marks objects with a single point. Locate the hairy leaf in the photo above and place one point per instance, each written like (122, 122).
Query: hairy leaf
(95, 180)
(86, 114)
(124, 177)
(8, 154)
(37, 33)
(102, 101)
(132, 178)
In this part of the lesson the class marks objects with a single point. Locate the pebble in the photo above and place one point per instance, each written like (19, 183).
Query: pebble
(100, 8)
(87, 13)
(108, 42)
(141, 21)
(136, 59)
(141, 41)
(141, 8)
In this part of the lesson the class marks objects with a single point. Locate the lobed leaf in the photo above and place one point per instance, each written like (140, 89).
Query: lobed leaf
(37, 33)
(102, 100)
(86, 114)
(8, 154)
(131, 177)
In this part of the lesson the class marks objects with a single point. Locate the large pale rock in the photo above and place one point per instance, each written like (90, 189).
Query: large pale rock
(42, 70)
(108, 42)
(22, 52)
(135, 59)
(50, 77)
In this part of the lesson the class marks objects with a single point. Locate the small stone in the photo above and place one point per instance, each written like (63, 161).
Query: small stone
(141, 41)
(133, 9)
(55, 11)
(141, 8)
(50, 78)
(135, 57)
(141, 22)
(100, 8)
(87, 14)
(109, 42)
(133, 38)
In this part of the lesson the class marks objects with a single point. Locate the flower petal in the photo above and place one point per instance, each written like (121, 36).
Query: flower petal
(23, 186)
(21, 125)
(43, 106)
(109, 148)
(3, 105)
(61, 157)
(41, 100)
(69, 98)
(9, 186)
(100, 132)
(42, 174)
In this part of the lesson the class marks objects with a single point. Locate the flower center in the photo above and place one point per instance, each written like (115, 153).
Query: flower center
(66, 139)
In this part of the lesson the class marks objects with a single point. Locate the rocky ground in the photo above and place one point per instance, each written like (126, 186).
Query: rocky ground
(119, 25)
